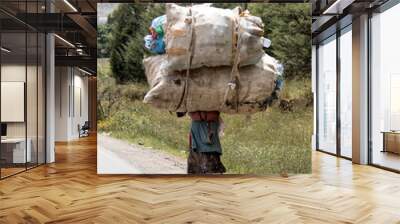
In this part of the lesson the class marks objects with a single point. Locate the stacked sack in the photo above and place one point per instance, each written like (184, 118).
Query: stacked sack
(214, 61)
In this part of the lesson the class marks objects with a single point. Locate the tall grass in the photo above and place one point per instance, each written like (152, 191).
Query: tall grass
(264, 143)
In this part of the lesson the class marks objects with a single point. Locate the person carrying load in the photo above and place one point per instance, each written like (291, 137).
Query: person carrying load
(213, 62)
(204, 145)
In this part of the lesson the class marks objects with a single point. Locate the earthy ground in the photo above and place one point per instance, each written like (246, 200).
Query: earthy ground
(120, 157)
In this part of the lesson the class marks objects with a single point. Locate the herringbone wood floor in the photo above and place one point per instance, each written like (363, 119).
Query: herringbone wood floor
(70, 191)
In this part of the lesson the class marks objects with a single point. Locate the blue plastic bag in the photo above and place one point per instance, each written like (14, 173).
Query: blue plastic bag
(157, 25)
(159, 46)
(156, 46)
(279, 81)
(148, 42)
(155, 42)
(159, 21)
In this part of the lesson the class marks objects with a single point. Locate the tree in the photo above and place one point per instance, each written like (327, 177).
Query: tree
(103, 36)
(124, 22)
(288, 26)
(129, 24)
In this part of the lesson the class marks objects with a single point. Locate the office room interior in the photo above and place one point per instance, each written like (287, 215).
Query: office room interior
(48, 150)
(359, 72)
(45, 89)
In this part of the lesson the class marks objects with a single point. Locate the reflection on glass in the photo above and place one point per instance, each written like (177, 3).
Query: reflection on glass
(41, 98)
(327, 95)
(395, 102)
(14, 153)
(385, 84)
(346, 93)
(31, 100)
(22, 89)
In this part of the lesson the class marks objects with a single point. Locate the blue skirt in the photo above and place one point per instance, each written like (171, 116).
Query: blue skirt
(204, 137)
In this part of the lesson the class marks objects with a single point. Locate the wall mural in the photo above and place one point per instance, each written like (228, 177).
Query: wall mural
(204, 88)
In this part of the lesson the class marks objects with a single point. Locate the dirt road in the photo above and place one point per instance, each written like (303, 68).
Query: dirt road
(115, 156)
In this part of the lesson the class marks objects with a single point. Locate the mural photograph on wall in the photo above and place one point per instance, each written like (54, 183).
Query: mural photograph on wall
(222, 88)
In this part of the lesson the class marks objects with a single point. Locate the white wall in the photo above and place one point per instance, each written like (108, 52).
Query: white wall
(16, 73)
(62, 81)
(13, 101)
(33, 125)
(13, 72)
(9, 73)
(71, 87)
(80, 110)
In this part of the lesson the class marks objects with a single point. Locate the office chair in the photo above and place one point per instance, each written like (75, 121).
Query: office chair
(84, 130)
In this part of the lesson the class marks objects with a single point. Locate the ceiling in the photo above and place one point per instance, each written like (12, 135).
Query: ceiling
(74, 22)
(330, 15)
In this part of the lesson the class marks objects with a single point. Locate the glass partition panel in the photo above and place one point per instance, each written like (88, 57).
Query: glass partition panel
(346, 92)
(327, 95)
(31, 98)
(22, 77)
(14, 153)
(41, 98)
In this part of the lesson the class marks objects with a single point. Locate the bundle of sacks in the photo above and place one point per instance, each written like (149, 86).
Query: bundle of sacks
(214, 61)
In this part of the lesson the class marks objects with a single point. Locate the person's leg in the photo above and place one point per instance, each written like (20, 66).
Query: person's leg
(204, 149)
(214, 164)
(193, 163)
(203, 163)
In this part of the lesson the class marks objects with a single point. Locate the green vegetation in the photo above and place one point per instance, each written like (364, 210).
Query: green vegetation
(269, 142)
(128, 25)
(275, 141)
(103, 36)
(289, 28)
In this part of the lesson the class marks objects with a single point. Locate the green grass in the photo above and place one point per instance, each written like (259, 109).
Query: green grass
(265, 143)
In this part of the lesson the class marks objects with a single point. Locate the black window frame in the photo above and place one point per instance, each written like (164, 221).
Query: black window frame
(30, 29)
(341, 27)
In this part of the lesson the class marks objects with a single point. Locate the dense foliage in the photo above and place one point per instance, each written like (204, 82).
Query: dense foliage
(289, 28)
(103, 36)
(129, 24)
(287, 25)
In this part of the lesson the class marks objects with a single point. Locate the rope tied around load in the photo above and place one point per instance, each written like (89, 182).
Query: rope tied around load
(234, 83)
(190, 21)
(230, 99)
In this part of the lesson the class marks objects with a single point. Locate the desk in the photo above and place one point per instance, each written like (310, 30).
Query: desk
(16, 147)
(391, 141)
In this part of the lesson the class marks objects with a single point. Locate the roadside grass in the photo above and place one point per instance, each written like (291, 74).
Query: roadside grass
(270, 142)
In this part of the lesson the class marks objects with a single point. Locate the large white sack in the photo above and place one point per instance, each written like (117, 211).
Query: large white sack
(207, 87)
(214, 38)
